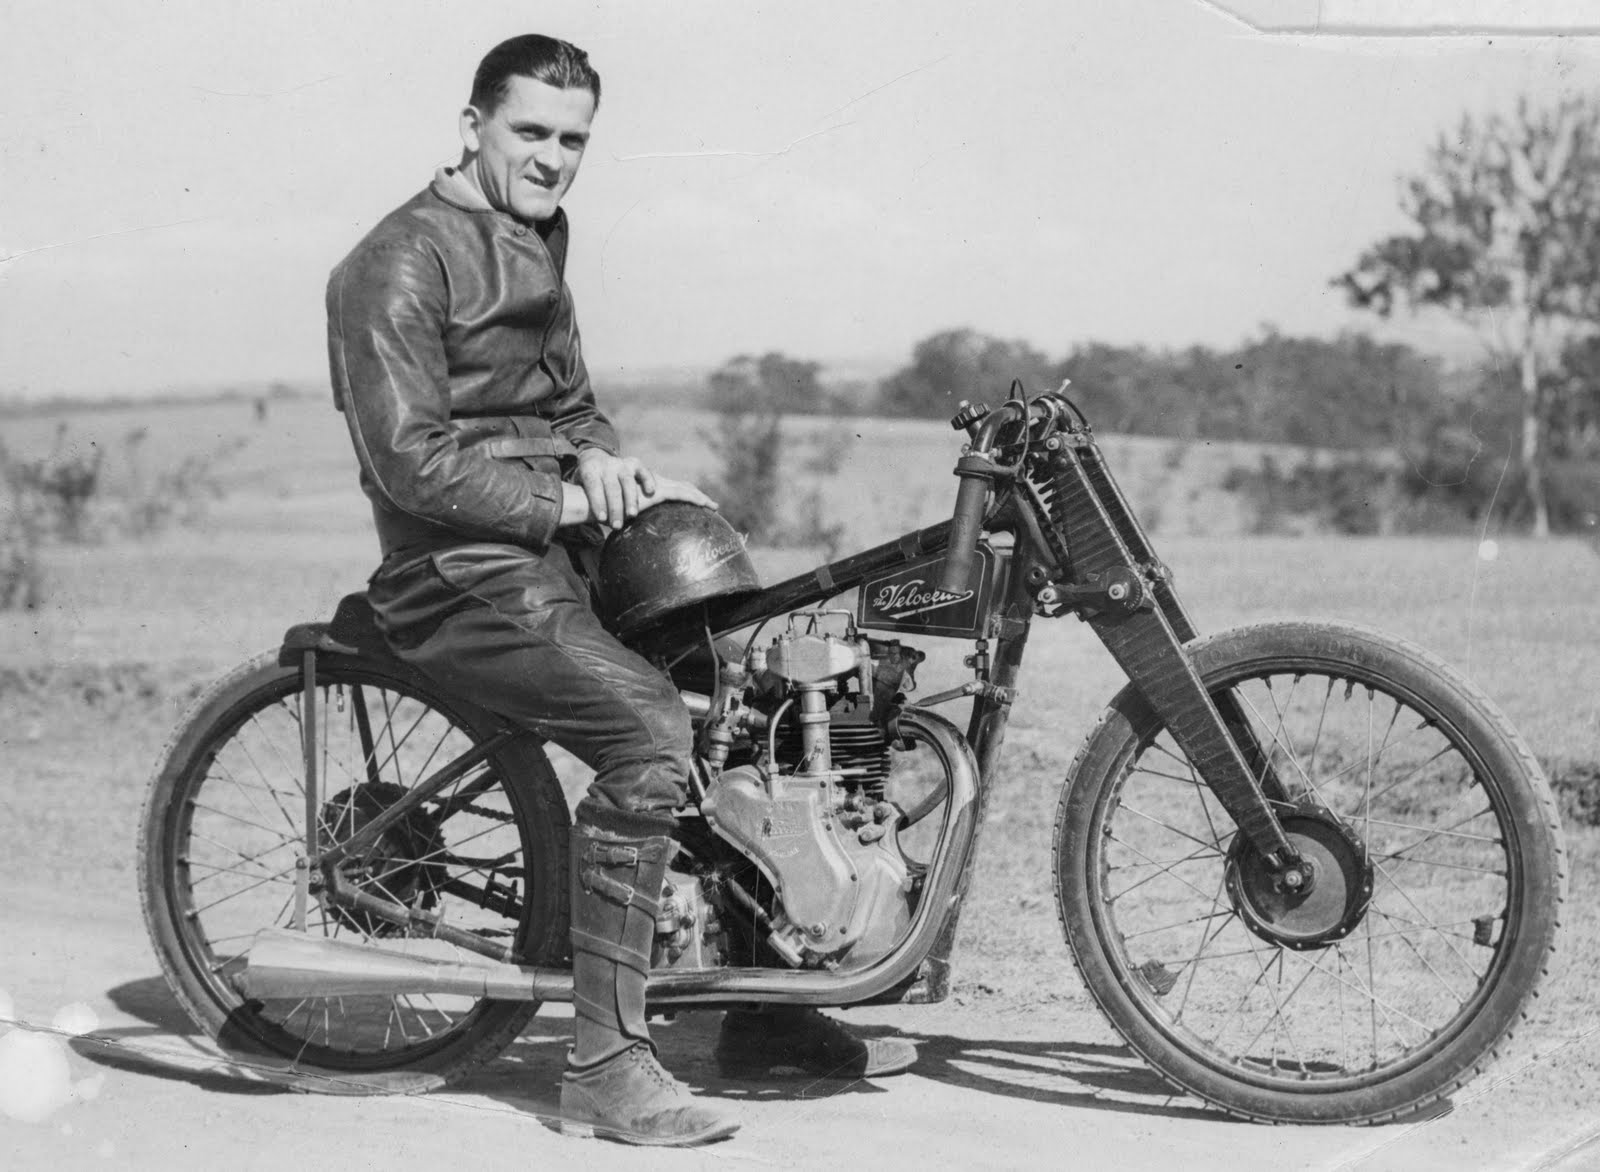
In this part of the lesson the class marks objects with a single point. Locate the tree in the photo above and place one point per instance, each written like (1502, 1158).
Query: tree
(1352, 391)
(750, 446)
(772, 382)
(1575, 401)
(1505, 234)
(961, 364)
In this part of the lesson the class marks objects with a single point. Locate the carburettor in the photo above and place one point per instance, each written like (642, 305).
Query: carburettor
(844, 890)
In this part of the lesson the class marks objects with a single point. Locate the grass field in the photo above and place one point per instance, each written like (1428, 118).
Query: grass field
(92, 683)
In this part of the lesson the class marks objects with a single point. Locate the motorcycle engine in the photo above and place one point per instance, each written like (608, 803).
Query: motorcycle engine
(807, 805)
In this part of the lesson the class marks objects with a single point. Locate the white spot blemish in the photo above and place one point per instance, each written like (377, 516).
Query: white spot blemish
(89, 1088)
(35, 1080)
(8, 1008)
(75, 1019)
(1488, 550)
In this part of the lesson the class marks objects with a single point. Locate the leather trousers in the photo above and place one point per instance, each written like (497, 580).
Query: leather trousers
(514, 632)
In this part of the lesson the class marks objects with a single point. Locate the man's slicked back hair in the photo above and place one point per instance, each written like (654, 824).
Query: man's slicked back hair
(547, 59)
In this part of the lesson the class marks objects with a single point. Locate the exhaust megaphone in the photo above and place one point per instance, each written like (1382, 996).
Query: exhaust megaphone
(281, 963)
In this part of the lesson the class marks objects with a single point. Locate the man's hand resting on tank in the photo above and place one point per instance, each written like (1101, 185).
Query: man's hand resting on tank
(615, 489)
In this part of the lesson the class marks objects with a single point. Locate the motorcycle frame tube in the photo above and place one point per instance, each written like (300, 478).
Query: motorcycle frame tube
(947, 877)
(1099, 518)
(969, 763)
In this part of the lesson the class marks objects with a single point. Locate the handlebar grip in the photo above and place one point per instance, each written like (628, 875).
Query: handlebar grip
(966, 526)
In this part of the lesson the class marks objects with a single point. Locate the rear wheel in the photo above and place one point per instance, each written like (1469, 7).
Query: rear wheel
(1438, 875)
(224, 829)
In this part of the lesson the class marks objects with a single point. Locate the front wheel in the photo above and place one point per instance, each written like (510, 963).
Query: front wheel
(1438, 876)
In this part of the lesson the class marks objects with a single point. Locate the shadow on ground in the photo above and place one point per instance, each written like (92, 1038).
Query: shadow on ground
(527, 1075)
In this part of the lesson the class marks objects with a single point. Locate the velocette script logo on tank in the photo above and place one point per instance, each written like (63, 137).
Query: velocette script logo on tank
(899, 599)
(909, 599)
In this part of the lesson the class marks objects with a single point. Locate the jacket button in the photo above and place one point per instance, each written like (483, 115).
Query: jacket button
(521, 231)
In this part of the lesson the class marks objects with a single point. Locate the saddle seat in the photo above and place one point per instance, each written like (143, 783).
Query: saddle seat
(353, 630)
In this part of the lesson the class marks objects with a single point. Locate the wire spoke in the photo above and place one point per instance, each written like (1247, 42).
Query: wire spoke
(282, 837)
(1384, 871)
(243, 890)
(245, 790)
(1167, 826)
(1201, 853)
(255, 858)
(1200, 919)
(1148, 859)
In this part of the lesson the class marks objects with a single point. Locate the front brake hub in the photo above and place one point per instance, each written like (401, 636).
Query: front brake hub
(1307, 915)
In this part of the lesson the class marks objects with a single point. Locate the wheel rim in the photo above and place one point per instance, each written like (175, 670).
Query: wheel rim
(1360, 1005)
(237, 829)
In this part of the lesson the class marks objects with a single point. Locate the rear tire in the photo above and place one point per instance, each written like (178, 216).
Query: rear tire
(1403, 999)
(224, 823)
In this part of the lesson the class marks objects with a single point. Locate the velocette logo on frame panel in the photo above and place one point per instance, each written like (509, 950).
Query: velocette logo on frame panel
(909, 599)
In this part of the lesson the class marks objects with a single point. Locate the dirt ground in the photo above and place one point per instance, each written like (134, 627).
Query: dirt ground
(1000, 1084)
(1018, 1067)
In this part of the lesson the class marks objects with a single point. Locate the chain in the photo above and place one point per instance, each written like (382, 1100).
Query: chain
(482, 812)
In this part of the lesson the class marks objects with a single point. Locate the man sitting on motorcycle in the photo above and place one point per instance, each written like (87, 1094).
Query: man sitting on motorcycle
(455, 359)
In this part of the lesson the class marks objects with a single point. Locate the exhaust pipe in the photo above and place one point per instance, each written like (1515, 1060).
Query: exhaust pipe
(285, 964)
(281, 963)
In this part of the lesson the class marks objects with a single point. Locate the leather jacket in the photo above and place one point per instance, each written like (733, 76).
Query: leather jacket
(455, 358)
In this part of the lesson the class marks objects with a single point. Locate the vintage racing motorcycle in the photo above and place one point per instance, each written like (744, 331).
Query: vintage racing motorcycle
(1307, 870)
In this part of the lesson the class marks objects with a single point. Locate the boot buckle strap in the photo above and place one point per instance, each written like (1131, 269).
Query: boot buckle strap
(617, 953)
(613, 854)
(596, 880)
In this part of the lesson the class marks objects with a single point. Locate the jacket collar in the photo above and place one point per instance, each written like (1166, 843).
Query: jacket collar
(458, 191)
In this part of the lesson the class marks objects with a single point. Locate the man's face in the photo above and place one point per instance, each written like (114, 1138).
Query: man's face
(528, 151)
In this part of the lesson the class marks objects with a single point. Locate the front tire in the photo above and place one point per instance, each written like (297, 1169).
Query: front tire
(1401, 994)
(225, 823)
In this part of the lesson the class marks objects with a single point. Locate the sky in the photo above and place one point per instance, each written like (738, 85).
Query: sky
(834, 180)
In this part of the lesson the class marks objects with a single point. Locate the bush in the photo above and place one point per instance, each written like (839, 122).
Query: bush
(773, 382)
(61, 497)
(42, 497)
(961, 364)
(52, 492)
(21, 573)
(173, 496)
(1352, 496)
(1572, 492)
(748, 444)
(812, 528)
(1576, 785)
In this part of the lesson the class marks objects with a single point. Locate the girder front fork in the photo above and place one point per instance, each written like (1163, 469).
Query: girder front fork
(1146, 639)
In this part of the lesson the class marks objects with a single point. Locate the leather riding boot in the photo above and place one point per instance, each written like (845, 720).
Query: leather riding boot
(757, 1040)
(613, 1086)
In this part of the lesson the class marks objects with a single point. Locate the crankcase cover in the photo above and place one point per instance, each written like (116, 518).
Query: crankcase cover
(795, 842)
(884, 907)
